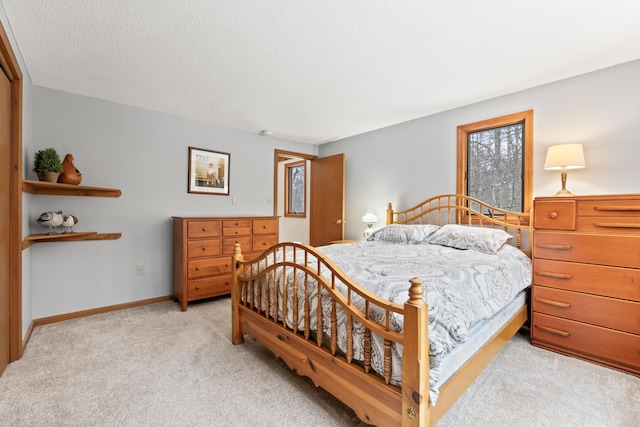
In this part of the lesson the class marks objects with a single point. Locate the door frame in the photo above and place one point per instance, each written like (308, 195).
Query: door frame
(11, 68)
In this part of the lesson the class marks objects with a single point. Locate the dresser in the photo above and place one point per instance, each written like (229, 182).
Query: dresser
(586, 278)
(202, 250)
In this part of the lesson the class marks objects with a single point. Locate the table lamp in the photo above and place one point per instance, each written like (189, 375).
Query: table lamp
(369, 218)
(562, 157)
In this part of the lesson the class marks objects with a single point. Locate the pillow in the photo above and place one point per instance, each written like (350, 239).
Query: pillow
(485, 240)
(401, 233)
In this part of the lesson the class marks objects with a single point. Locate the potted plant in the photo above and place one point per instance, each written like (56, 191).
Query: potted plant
(47, 165)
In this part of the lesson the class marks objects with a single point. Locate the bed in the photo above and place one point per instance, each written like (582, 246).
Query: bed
(354, 317)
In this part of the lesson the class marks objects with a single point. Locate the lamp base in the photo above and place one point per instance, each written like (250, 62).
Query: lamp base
(563, 193)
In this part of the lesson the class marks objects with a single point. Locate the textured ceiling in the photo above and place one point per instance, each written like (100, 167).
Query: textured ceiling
(313, 70)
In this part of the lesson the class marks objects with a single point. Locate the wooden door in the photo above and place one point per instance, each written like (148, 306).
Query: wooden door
(5, 193)
(327, 200)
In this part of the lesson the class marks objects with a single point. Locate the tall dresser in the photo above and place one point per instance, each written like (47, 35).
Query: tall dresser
(202, 250)
(586, 280)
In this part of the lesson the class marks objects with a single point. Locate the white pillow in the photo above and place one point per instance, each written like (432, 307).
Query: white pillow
(401, 233)
(485, 240)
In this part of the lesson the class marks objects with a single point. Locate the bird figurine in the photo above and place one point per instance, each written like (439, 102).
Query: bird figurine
(69, 221)
(51, 220)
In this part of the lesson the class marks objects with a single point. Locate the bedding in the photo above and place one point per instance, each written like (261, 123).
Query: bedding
(462, 288)
(400, 233)
(485, 240)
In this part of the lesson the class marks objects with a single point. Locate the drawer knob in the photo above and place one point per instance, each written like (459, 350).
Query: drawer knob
(553, 215)
(264, 226)
(204, 228)
(197, 268)
(197, 288)
(204, 248)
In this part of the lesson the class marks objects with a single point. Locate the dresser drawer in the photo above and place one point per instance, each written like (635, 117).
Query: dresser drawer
(237, 231)
(596, 310)
(608, 224)
(199, 229)
(207, 267)
(229, 243)
(629, 207)
(265, 226)
(262, 243)
(209, 286)
(555, 214)
(615, 250)
(203, 248)
(608, 344)
(614, 282)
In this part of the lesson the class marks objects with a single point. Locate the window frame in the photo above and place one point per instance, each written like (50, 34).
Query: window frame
(524, 117)
(287, 189)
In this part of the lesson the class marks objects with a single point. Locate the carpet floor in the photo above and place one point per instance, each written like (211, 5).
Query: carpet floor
(155, 365)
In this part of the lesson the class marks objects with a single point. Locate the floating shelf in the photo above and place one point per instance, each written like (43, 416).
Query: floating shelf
(55, 189)
(68, 237)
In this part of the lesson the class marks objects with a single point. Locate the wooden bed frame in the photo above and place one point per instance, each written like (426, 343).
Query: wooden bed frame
(370, 395)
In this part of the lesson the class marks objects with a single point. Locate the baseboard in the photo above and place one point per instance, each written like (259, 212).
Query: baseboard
(27, 336)
(83, 313)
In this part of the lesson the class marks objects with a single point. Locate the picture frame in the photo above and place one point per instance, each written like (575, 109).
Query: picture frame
(208, 172)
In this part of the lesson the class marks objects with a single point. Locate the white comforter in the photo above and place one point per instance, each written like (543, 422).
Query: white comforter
(462, 288)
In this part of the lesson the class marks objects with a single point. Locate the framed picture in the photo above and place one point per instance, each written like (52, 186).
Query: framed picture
(208, 172)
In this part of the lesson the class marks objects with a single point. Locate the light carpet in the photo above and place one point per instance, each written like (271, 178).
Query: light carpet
(155, 365)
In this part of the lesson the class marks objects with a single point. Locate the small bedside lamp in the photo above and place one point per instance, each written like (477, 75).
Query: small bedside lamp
(563, 157)
(369, 218)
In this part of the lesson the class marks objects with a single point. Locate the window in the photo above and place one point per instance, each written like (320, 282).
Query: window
(295, 197)
(495, 161)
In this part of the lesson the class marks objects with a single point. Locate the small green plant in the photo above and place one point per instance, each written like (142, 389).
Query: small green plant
(47, 160)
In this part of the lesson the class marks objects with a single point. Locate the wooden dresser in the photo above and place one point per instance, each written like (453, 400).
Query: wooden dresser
(202, 250)
(586, 279)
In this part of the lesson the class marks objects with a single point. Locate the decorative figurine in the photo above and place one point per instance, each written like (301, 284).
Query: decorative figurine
(70, 175)
(51, 220)
(69, 221)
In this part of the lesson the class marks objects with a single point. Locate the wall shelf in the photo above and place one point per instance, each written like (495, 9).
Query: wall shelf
(68, 237)
(55, 189)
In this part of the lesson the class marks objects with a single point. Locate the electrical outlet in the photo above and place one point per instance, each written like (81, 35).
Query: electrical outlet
(140, 270)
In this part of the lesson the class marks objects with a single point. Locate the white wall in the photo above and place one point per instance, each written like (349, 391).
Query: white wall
(145, 154)
(408, 162)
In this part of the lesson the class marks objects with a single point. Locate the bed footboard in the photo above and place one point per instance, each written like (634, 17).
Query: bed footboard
(311, 321)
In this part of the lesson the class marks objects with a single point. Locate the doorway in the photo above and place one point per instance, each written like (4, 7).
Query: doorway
(326, 188)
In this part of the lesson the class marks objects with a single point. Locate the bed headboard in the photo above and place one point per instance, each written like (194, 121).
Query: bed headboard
(461, 209)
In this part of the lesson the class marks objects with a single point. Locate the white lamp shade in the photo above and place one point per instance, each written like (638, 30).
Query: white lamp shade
(369, 217)
(571, 156)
